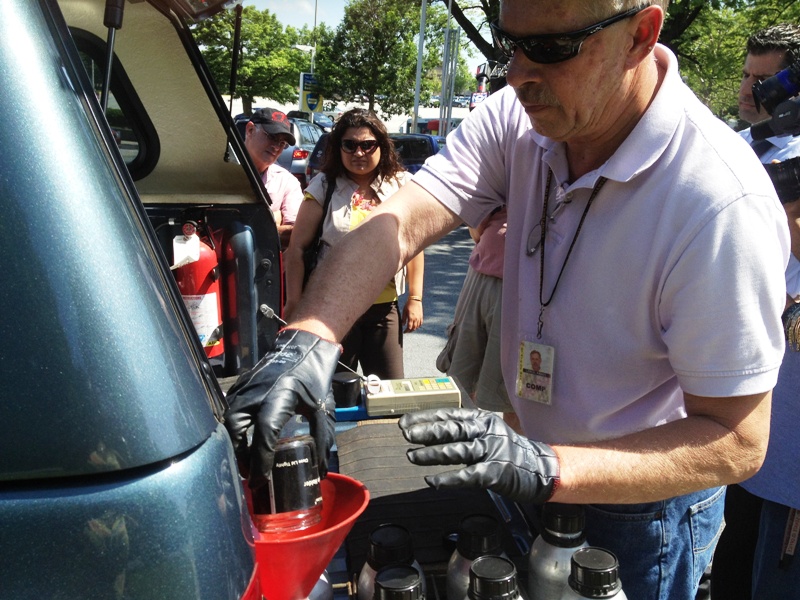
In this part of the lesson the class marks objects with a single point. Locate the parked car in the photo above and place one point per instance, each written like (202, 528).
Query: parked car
(323, 120)
(315, 159)
(118, 477)
(320, 119)
(415, 148)
(295, 158)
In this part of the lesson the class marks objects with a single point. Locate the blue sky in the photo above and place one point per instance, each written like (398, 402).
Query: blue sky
(301, 12)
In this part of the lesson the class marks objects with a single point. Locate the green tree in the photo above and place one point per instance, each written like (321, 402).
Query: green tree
(372, 53)
(474, 22)
(711, 48)
(268, 65)
(436, 23)
(372, 57)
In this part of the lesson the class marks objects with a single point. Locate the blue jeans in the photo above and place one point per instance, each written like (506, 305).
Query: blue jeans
(771, 579)
(662, 547)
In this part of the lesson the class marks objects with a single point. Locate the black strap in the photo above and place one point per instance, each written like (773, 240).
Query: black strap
(328, 196)
(601, 181)
(761, 147)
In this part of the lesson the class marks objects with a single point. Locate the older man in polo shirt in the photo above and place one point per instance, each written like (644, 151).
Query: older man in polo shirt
(645, 253)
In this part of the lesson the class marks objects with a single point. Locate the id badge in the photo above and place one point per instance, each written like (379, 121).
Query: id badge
(535, 372)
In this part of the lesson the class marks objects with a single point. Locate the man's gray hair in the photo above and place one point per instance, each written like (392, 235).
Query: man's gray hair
(783, 37)
(607, 8)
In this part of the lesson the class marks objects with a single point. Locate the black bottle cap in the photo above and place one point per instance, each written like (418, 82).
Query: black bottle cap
(566, 520)
(492, 578)
(398, 582)
(594, 573)
(389, 544)
(478, 535)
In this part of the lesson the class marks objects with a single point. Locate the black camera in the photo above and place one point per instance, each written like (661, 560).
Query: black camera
(774, 90)
(786, 179)
(778, 96)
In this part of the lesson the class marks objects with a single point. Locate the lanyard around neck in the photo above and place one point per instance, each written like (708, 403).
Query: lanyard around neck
(543, 227)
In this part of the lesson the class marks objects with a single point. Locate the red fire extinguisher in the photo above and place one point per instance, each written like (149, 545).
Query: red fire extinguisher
(198, 282)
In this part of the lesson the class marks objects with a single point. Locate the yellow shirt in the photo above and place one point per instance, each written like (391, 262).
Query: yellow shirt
(348, 209)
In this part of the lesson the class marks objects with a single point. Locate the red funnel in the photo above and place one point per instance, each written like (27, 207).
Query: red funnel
(289, 564)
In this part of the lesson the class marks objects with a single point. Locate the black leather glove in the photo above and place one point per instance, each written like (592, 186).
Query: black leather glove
(496, 457)
(294, 377)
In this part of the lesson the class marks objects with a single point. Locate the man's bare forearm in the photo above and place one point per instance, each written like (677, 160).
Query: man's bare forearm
(345, 284)
(708, 448)
(357, 268)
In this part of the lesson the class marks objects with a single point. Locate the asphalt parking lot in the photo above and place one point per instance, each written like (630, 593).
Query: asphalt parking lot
(445, 269)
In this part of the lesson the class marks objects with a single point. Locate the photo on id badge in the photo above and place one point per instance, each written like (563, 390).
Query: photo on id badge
(534, 372)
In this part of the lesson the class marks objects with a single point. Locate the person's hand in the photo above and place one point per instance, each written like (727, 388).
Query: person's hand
(294, 377)
(497, 458)
(412, 315)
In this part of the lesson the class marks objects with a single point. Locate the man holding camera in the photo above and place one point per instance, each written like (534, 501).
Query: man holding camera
(768, 52)
(753, 558)
(644, 253)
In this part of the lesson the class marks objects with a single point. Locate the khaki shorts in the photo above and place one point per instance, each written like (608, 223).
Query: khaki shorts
(472, 352)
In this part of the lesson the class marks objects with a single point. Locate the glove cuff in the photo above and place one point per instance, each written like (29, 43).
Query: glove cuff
(286, 333)
(549, 468)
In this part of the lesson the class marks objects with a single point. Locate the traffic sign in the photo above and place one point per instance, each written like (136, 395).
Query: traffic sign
(312, 101)
(309, 83)
(310, 98)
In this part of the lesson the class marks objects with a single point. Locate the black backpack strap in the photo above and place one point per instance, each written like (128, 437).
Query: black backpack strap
(325, 206)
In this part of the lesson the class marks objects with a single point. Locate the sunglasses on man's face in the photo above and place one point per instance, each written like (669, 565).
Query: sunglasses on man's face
(367, 146)
(553, 47)
(273, 141)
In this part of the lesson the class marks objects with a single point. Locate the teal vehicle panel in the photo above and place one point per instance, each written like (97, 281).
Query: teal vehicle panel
(173, 531)
(97, 359)
(117, 479)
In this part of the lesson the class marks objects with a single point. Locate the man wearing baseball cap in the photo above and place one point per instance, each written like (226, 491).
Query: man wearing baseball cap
(267, 134)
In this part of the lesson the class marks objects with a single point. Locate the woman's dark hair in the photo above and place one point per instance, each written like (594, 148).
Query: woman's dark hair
(332, 166)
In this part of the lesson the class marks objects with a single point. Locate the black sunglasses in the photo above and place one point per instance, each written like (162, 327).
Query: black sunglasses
(367, 146)
(553, 47)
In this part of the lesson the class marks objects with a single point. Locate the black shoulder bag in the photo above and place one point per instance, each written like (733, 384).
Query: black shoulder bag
(311, 254)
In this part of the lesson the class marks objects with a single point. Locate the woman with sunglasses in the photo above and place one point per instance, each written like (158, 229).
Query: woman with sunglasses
(361, 163)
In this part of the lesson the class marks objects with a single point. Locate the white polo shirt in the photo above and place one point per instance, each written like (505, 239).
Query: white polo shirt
(676, 278)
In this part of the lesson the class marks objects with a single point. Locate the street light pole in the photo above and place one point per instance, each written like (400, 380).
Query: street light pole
(314, 34)
(418, 84)
(305, 48)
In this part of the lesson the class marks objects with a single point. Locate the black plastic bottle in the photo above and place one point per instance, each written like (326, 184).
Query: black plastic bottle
(551, 553)
(389, 545)
(493, 578)
(399, 582)
(594, 574)
(478, 535)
